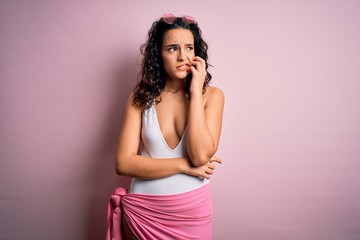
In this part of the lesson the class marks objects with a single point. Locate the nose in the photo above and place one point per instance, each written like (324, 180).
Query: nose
(182, 55)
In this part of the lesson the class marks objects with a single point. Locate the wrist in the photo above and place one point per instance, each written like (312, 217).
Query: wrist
(198, 90)
(196, 94)
(184, 166)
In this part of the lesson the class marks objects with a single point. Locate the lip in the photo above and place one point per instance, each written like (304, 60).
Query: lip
(183, 67)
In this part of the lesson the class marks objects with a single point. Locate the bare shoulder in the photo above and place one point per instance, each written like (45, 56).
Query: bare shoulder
(214, 95)
(131, 97)
(130, 101)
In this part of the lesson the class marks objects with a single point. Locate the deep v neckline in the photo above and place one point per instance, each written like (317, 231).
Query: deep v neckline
(161, 134)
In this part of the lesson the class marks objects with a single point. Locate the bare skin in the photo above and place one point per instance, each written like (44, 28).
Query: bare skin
(202, 115)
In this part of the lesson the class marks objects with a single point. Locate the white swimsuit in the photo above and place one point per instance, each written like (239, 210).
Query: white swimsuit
(154, 145)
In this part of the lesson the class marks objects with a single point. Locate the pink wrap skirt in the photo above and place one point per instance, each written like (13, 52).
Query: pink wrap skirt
(179, 216)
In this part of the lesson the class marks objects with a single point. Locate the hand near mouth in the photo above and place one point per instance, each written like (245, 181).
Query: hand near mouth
(198, 70)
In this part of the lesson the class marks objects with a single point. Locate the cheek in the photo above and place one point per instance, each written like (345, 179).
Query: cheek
(191, 54)
(167, 64)
(168, 61)
(166, 67)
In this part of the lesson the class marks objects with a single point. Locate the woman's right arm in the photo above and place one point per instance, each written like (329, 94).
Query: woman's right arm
(129, 163)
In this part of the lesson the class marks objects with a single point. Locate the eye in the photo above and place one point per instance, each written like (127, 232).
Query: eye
(190, 48)
(172, 49)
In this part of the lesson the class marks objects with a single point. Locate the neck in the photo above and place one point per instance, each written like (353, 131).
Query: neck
(174, 85)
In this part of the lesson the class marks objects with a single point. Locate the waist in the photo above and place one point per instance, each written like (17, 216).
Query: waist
(175, 184)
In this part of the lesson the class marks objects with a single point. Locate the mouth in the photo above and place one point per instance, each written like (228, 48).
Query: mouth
(183, 67)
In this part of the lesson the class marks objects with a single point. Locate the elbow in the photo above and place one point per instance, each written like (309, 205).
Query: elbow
(200, 160)
(118, 170)
(119, 167)
(200, 155)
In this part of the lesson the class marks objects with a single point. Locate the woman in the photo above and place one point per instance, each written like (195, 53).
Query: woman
(174, 117)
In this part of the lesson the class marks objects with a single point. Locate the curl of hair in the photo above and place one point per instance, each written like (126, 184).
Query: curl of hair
(151, 78)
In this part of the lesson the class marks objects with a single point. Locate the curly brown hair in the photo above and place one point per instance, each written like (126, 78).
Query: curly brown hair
(151, 78)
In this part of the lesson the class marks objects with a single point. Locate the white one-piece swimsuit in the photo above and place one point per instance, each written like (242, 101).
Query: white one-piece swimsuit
(153, 145)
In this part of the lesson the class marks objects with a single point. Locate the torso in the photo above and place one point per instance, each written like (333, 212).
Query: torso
(163, 136)
(172, 114)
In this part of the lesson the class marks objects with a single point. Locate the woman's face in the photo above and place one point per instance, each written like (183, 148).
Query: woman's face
(177, 51)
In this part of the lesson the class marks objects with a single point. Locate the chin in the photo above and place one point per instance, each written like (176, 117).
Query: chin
(182, 76)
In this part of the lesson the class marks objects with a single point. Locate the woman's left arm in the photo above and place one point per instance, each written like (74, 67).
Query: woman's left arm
(205, 117)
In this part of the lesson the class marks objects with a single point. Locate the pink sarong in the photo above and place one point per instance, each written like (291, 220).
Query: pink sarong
(179, 216)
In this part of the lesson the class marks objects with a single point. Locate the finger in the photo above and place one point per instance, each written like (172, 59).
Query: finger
(201, 61)
(197, 65)
(209, 171)
(211, 166)
(197, 58)
(216, 159)
(191, 61)
(207, 176)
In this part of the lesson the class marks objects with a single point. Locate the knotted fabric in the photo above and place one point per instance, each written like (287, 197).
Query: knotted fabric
(178, 216)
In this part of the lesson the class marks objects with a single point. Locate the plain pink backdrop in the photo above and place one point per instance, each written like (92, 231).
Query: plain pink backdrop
(290, 71)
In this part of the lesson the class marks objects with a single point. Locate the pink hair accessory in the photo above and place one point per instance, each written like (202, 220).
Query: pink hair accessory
(170, 19)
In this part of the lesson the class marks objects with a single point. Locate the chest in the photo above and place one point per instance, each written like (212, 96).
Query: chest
(172, 118)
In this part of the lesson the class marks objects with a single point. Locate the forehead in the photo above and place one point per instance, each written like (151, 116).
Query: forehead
(178, 36)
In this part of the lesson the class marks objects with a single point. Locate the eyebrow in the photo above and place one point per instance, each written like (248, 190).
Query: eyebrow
(175, 45)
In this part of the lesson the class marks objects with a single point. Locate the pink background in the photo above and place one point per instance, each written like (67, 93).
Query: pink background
(290, 71)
